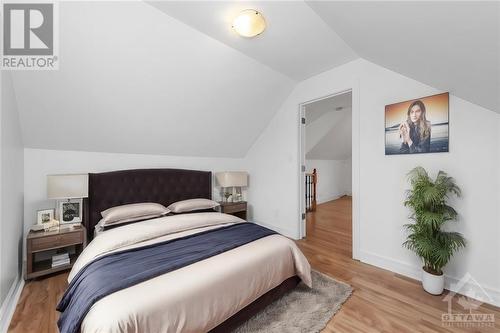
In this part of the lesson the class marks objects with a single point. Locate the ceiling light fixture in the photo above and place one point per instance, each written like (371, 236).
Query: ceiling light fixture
(249, 23)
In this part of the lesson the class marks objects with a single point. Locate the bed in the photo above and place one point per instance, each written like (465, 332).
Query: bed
(215, 294)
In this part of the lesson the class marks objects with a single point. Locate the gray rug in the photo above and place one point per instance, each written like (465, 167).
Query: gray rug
(301, 310)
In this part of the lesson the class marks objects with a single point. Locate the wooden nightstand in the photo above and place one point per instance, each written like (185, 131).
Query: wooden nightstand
(43, 241)
(234, 208)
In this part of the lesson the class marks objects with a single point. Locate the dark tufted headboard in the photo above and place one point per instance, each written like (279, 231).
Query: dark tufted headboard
(164, 186)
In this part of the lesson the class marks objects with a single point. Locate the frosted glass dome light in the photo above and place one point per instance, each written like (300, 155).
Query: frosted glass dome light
(249, 23)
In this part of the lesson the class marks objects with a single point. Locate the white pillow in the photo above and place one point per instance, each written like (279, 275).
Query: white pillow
(132, 212)
(191, 205)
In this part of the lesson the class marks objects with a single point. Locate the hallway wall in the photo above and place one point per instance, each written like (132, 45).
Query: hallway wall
(334, 178)
(379, 181)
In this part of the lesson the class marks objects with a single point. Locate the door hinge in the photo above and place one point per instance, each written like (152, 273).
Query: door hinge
(303, 120)
(303, 216)
(303, 168)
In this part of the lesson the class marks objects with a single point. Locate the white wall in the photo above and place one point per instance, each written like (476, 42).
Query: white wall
(273, 160)
(334, 144)
(40, 162)
(379, 181)
(319, 128)
(145, 83)
(11, 198)
(334, 178)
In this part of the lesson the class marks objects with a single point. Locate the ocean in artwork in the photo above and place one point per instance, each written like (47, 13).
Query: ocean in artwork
(439, 139)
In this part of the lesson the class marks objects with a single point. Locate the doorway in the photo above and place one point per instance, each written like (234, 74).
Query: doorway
(326, 152)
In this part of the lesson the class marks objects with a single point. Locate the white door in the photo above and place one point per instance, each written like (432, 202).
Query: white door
(302, 154)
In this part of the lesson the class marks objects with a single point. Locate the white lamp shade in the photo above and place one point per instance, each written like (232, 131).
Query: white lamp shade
(67, 186)
(232, 178)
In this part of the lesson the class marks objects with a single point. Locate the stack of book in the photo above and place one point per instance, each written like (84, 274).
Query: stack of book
(60, 260)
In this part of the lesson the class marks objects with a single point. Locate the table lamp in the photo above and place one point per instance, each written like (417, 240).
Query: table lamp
(232, 179)
(65, 189)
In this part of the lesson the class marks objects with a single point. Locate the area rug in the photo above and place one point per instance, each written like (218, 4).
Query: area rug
(302, 309)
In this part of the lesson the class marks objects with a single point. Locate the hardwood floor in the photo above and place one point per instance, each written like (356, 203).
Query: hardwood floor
(36, 309)
(382, 301)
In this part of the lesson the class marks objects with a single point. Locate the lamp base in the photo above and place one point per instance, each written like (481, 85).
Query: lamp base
(237, 196)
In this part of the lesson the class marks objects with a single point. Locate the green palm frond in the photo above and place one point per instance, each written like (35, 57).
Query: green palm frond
(417, 174)
(427, 201)
(432, 219)
(447, 184)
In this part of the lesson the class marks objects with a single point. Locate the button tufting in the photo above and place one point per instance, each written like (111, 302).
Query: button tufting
(164, 186)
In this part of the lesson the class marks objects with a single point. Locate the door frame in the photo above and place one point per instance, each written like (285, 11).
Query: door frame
(356, 230)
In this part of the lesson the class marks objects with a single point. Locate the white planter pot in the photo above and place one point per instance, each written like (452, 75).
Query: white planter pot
(433, 284)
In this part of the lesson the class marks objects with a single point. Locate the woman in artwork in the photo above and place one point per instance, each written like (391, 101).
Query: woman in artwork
(415, 131)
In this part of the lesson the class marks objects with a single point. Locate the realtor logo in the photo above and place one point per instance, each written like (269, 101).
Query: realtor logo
(29, 36)
(475, 317)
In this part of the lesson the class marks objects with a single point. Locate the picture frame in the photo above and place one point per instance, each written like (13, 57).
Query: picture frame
(70, 211)
(418, 126)
(45, 217)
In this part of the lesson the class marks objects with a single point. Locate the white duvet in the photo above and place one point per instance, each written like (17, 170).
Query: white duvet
(195, 298)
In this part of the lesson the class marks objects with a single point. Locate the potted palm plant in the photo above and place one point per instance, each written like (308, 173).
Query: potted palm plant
(427, 200)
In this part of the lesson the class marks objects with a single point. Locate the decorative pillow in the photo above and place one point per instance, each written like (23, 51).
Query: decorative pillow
(102, 225)
(132, 212)
(191, 205)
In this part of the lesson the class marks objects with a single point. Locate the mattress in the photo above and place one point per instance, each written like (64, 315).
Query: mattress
(197, 297)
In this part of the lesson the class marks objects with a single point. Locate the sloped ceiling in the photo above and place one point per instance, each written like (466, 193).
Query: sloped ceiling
(296, 41)
(337, 143)
(318, 129)
(451, 45)
(132, 79)
(172, 77)
(328, 129)
(318, 108)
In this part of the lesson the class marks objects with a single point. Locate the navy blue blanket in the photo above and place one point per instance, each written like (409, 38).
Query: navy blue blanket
(120, 270)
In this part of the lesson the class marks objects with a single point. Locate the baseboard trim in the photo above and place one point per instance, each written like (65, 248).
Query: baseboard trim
(10, 303)
(329, 198)
(332, 197)
(390, 264)
(414, 272)
(452, 283)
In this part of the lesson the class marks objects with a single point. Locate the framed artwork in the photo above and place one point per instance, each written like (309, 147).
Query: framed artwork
(45, 217)
(70, 211)
(418, 126)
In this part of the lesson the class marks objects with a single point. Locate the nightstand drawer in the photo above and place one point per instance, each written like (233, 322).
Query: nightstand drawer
(235, 208)
(44, 243)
